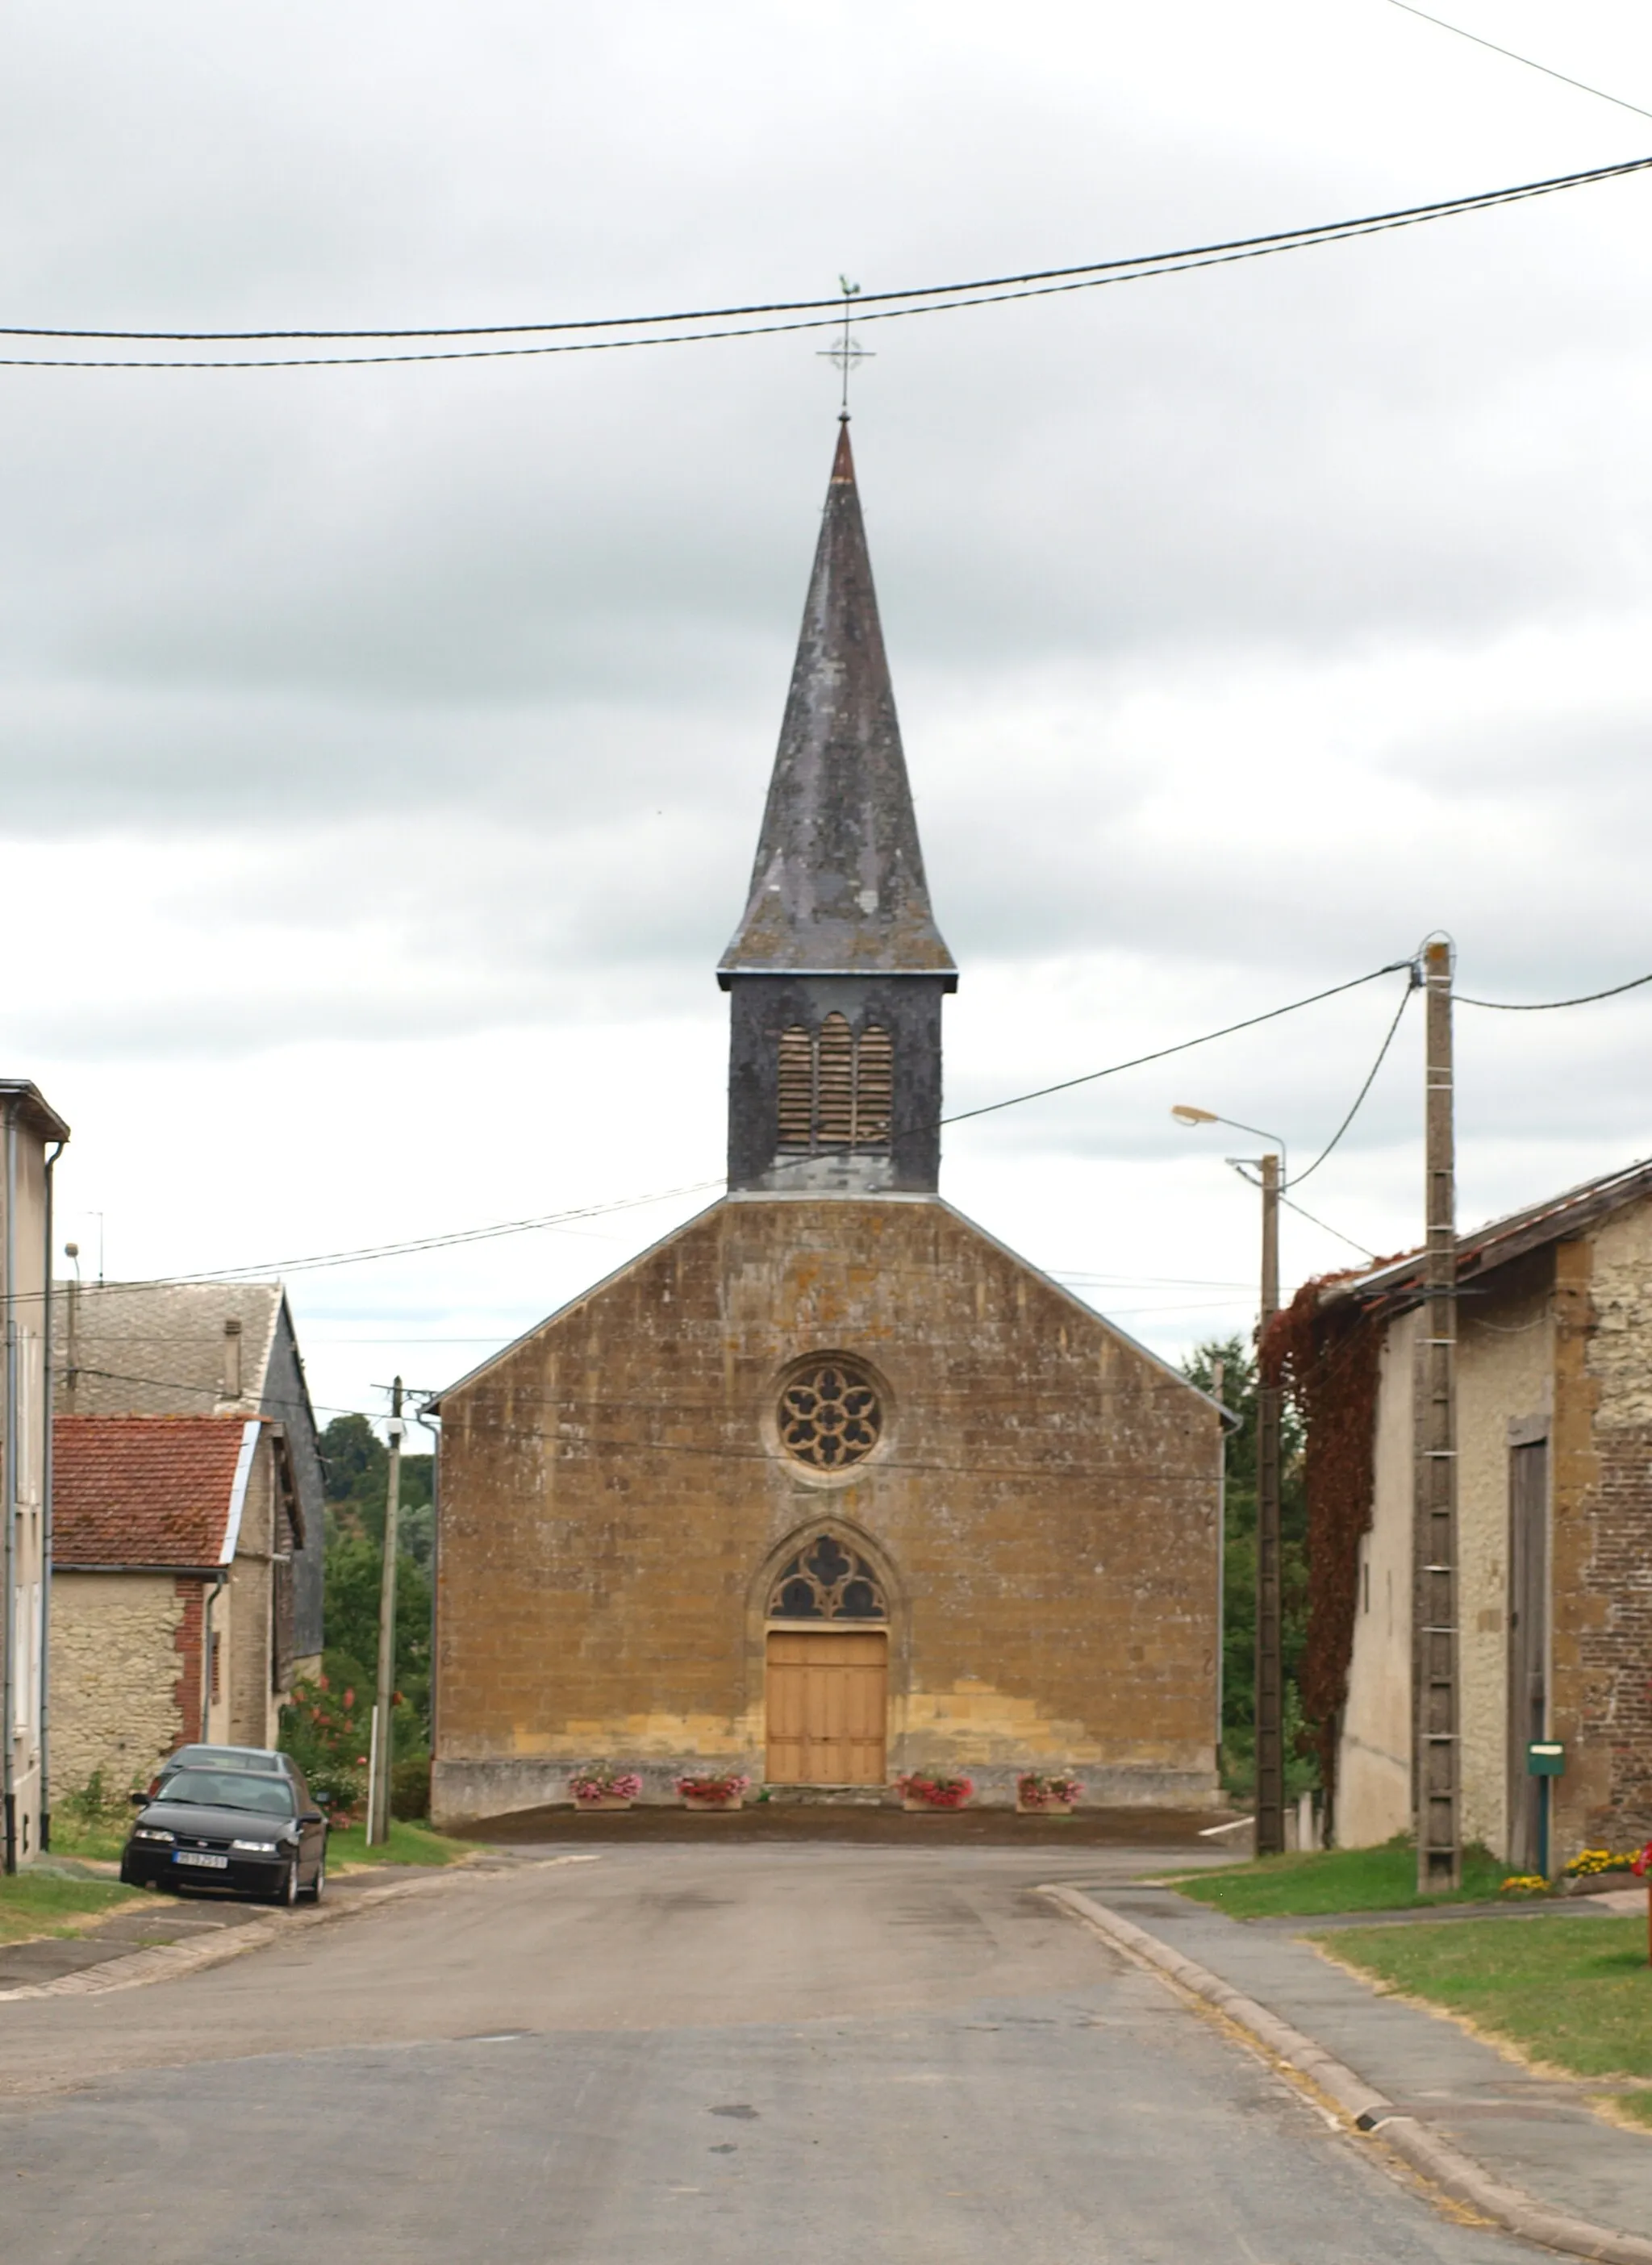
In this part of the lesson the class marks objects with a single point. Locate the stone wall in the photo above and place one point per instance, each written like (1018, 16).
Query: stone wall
(1602, 1539)
(614, 1497)
(246, 1610)
(115, 1675)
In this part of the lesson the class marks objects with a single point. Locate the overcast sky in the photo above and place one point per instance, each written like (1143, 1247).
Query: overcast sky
(384, 748)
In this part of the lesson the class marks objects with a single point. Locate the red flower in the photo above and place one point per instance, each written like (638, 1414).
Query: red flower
(1640, 1863)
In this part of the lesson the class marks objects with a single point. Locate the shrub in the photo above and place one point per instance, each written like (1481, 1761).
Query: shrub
(326, 1729)
(410, 1788)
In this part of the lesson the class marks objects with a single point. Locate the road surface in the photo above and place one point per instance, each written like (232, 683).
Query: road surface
(686, 2055)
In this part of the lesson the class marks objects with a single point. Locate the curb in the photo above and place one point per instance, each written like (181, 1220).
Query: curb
(168, 1961)
(1365, 2109)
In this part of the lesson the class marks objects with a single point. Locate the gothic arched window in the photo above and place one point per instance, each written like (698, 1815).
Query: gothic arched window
(827, 1580)
(836, 1089)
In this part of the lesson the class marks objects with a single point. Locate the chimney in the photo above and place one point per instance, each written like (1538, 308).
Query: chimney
(232, 1360)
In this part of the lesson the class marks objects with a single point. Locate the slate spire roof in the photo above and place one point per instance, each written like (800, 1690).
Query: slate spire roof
(838, 887)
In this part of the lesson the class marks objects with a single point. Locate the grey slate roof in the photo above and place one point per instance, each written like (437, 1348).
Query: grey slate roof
(838, 887)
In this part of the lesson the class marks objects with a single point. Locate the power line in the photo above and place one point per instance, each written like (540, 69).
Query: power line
(1548, 1005)
(364, 1252)
(1185, 1046)
(1297, 1178)
(1548, 70)
(876, 307)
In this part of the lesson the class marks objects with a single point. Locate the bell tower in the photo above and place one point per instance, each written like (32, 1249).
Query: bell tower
(837, 971)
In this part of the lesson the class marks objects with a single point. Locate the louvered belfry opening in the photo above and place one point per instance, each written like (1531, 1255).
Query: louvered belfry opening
(836, 1088)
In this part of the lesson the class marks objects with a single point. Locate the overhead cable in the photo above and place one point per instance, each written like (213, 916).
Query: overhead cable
(1548, 70)
(1297, 1178)
(810, 314)
(361, 1253)
(1548, 1005)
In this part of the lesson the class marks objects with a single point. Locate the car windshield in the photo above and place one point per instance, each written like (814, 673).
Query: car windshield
(210, 1758)
(272, 1796)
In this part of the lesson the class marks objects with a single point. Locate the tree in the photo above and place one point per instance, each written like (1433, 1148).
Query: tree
(357, 1466)
(1239, 1595)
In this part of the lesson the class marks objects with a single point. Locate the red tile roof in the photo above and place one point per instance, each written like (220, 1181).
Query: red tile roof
(159, 1490)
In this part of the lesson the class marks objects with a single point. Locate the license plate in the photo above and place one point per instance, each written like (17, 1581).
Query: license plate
(206, 1863)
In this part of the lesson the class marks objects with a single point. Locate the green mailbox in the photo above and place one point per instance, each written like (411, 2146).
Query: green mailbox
(1546, 1758)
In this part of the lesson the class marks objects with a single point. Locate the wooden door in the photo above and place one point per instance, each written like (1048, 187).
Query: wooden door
(1528, 1640)
(828, 1704)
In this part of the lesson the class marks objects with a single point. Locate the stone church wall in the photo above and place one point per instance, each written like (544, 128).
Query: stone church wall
(614, 1496)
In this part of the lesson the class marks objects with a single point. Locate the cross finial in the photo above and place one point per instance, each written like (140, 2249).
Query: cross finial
(848, 352)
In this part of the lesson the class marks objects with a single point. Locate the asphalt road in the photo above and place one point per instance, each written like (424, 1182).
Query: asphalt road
(685, 2056)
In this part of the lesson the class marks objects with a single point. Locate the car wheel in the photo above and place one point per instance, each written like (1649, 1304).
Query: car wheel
(288, 1892)
(317, 1887)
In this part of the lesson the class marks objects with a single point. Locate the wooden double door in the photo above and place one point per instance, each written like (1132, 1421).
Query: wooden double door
(828, 1706)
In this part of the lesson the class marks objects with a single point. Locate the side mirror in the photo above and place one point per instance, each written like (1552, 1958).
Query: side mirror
(312, 1816)
(139, 1800)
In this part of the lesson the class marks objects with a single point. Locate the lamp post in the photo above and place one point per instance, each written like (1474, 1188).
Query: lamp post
(1269, 1709)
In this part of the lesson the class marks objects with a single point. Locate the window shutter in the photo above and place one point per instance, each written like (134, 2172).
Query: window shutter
(874, 1087)
(834, 1106)
(796, 1091)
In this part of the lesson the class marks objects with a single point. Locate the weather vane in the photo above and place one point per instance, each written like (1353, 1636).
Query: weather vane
(848, 352)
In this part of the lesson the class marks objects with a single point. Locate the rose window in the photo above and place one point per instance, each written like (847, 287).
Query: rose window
(830, 1415)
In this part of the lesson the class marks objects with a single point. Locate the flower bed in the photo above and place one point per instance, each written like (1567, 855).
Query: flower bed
(919, 1790)
(598, 1787)
(1038, 1795)
(705, 1791)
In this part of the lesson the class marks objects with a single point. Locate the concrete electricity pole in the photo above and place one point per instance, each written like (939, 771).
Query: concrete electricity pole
(379, 1814)
(1269, 1698)
(1269, 1617)
(1434, 1647)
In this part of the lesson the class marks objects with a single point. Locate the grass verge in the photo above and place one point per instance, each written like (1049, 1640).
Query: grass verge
(33, 1906)
(408, 1844)
(1333, 1880)
(1573, 1993)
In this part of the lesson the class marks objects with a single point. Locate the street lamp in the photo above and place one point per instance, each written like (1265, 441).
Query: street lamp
(1269, 1614)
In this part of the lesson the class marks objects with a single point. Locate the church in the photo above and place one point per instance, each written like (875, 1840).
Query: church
(829, 1486)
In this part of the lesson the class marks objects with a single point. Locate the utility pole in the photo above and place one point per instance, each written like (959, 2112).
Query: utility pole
(1434, 1650)
(1270, 1622)
(379, 1814)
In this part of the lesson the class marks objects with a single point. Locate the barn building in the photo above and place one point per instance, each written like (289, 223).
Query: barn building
(828, 1485)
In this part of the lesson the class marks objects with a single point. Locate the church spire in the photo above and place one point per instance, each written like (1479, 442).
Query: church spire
(838, 886)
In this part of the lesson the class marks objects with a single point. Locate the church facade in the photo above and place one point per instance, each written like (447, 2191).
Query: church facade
(828, 1485)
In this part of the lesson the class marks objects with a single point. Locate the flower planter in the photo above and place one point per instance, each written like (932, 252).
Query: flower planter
(912, 1802)
(714, 1800)
(1034, 1806)
(604, 1801)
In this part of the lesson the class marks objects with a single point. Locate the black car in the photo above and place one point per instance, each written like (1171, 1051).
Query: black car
(261, 1834)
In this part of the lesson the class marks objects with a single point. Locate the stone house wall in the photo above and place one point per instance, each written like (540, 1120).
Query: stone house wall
(115, 1677)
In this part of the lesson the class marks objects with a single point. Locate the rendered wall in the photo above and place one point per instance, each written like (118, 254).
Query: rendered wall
(1044, 1496)
(1504, 1373)
(1373, 1766)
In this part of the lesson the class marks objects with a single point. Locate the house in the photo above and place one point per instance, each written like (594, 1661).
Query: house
(172, 1597)
(829, 1484)
(1554, 1525)
(31, 1138)
(217, 1349)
